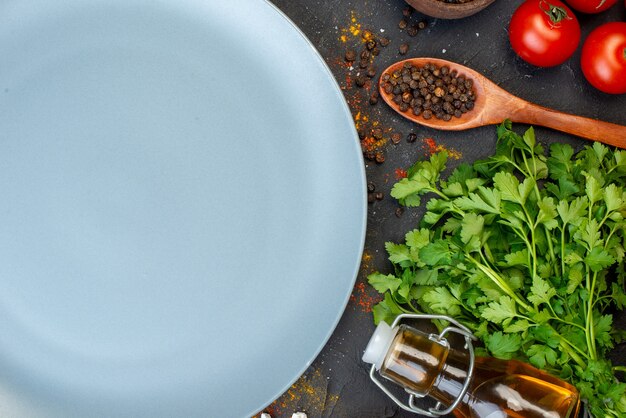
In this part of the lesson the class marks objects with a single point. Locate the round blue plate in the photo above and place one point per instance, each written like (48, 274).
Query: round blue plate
(182, 207)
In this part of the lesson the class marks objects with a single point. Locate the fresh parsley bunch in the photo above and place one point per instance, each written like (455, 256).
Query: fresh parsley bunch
(525, 249)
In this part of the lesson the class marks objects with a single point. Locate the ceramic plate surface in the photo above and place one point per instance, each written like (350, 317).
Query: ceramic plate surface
(182, 207)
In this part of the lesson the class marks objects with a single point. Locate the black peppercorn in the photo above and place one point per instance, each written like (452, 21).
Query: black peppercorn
(430, 91)
(373, 98)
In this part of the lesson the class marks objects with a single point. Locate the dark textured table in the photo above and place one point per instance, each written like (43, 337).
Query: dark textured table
(337, 383)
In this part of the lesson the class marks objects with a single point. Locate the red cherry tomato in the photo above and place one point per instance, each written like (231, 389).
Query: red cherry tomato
(591, 6)
(544, 33)
(603, 58)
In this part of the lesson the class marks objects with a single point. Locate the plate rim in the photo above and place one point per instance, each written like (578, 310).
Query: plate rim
(363, 179)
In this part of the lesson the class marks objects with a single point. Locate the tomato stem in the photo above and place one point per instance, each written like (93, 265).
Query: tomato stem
(555, 13)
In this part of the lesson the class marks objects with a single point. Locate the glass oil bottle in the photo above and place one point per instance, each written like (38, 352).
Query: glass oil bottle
(467, 386)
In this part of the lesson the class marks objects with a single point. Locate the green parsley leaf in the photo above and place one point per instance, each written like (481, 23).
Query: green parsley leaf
(541, 292)
(384, 282)
(503, 310)
(541, 355)
(503, 346)
(598, 259)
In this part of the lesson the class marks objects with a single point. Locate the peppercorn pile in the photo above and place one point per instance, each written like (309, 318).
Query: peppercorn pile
(430, 91)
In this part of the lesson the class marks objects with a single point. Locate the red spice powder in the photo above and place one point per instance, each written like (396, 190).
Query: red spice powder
(400, 173)
(362, 299)
(431, 145)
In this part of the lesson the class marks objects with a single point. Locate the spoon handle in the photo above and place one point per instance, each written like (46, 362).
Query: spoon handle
(605, 132)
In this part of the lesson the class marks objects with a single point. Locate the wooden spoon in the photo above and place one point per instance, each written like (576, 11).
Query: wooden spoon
(494, 104)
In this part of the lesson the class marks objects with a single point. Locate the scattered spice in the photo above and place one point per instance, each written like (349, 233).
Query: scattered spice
(366, 262)
(362, 298)
(312, 390)
(360, 83)
(431, 144)
(431, 91)
(396, 137)
(399, 212)
(372, 148)
(432, 147)
(403, 49)
(354, 29)
(400, 173)
(412, 137)
(403, 24)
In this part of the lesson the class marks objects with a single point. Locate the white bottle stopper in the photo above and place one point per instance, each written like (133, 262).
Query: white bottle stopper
(379, 344)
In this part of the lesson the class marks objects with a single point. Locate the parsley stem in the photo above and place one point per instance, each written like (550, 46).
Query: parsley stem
(590, 332)
(556, 318)
(499, 282)
(438, 193)
(608, 238)
(563, 248)
(573, 351)
(551, 250)
(526, 173)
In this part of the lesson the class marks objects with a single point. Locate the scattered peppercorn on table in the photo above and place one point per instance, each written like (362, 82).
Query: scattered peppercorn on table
(358, 39)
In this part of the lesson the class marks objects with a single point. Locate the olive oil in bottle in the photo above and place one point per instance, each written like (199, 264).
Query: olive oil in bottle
(424, 365)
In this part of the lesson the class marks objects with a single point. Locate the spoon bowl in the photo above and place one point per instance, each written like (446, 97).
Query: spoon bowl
(494, 104)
